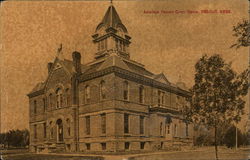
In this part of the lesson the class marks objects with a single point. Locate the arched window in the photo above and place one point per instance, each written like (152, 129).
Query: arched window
(51, 130)
(59, 124)
(87, 94)
(59, 98)
(141, 94)
(125, 91)
(102, 90)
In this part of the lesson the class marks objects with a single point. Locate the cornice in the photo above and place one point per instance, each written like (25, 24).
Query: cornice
(134, 77)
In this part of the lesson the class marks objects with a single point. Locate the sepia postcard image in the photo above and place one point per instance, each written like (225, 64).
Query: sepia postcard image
(124, 80)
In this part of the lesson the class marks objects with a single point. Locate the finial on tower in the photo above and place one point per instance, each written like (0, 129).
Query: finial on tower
(111, 2)
(59, 53)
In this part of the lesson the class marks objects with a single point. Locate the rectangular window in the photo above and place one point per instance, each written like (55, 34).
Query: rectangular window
(127, 145)
(161, 98)
(141, 94)
(87, 94)
(35, 132)
(103, 146)
(103, 123)
(88, 146)
(35, 107)
(141, 124)
(44, 130)
(175, 130)
(125, 91)
(126, 123)
(88, 125)
(168, 129)
(142, 145)
(69, 131)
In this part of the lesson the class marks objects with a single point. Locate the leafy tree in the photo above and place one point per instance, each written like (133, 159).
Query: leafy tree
(242, 32)
(217, 95)
(15, 138)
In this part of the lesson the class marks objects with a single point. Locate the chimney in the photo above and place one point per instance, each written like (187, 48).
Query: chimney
(49, 66)
(77, 61)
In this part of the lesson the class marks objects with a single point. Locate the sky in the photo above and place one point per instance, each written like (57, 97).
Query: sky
(32, 31)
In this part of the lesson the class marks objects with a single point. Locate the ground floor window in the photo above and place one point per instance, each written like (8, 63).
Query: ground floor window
(127, 144)
(142, 145)
(88, 146)
(103, 146)
(161, 145)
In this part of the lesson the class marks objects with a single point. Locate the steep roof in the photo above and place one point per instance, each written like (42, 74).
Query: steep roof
(111, 19)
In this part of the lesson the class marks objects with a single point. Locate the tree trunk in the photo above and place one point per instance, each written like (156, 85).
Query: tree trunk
(215, 142)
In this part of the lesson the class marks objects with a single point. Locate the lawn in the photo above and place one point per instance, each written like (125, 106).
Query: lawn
(48, 157)
(198, 154)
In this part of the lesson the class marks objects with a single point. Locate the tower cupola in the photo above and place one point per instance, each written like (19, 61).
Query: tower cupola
(111, 36)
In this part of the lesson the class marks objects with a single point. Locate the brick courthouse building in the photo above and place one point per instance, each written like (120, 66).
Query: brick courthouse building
(112, 104)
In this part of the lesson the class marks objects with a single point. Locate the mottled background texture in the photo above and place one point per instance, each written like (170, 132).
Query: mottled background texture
(31, 32)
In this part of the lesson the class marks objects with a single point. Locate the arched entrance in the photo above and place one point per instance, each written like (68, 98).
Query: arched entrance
(59, 130)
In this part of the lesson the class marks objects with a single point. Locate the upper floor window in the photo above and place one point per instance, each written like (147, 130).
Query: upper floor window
(87, 121)
(161, 129)
(59, 98)
(87, 94)
(141, 124)
(168, 129)
(125, 91)
(141, 94)
(35, 106)
(161, 98)
(103, 123)
(126, 123)
(102, 90)
(67, 97)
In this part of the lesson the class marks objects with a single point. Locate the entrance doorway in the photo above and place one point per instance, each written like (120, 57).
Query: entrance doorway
(59, 130)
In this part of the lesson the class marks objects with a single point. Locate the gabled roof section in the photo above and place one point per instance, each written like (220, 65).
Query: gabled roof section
(111, 19)
(161, 78)
(38, 87)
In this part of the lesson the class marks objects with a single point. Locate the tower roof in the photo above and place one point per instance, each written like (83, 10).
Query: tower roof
(111, 19)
